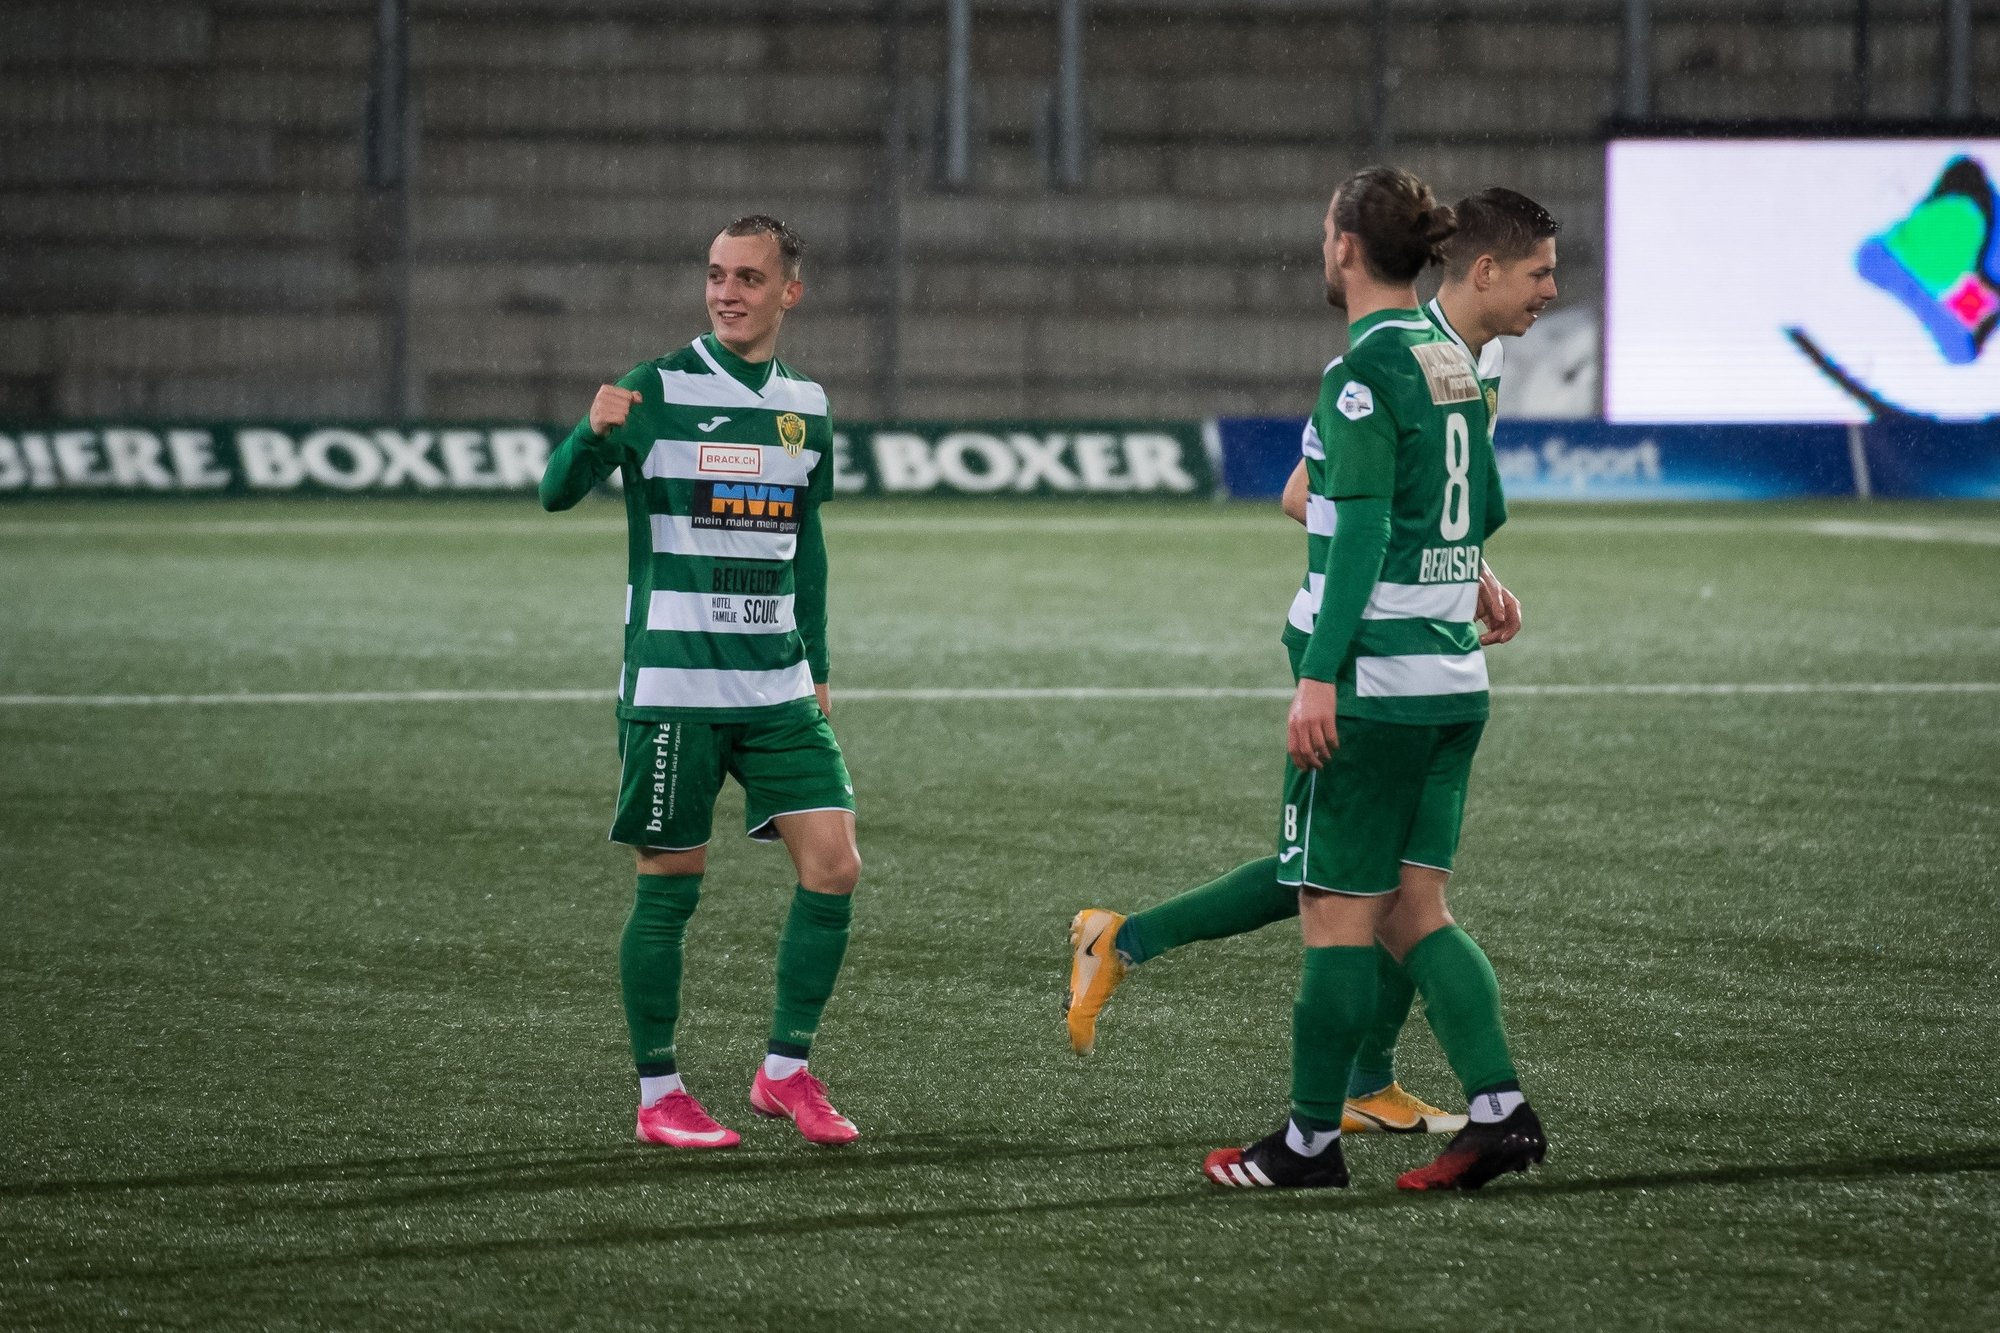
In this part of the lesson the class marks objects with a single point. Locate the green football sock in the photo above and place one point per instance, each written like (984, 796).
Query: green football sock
(1375, 1062)
(649, 966)
(1462, 1001)
(1335, 1006)
(1247, 898)
(809, 954)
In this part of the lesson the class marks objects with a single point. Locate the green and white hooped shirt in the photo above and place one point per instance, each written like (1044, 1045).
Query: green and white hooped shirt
(724, 464)
(1403, 416)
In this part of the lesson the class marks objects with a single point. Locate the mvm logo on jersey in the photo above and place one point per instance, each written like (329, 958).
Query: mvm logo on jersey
(746, 506)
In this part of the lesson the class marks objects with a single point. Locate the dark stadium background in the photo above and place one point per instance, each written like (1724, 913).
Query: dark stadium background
(307, 1014)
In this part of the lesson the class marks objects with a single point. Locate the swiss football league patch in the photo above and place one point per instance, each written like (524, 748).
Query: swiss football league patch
(746, 506)
(792, 433)
(1356, 401)
(1448, 372)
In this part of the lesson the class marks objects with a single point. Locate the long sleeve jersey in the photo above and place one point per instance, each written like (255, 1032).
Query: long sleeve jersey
(1404, 490)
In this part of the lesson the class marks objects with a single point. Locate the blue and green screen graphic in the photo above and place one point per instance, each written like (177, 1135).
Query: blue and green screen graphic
(1943, 261)
(1846, 280)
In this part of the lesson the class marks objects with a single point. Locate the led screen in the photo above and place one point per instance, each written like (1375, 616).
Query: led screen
(1801, 280)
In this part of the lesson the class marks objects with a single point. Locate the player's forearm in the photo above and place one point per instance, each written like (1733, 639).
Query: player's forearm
(1353, 564)
(809, 593)
(583, 459)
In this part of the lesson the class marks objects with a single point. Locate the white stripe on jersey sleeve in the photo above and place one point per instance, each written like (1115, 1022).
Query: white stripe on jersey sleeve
(1309, 443)
(703, 687)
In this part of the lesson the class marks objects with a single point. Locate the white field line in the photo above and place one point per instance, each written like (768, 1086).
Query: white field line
(1001, 694)
(1610, 525)
(1908, 532)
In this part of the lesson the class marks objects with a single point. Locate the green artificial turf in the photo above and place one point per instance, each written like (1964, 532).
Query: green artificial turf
(308, 1014)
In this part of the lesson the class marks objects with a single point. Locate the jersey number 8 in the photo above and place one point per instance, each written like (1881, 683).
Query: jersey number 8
(1456, 520)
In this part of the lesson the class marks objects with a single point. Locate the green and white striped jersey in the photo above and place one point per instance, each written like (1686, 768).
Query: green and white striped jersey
(1403, 416)
(724, 464)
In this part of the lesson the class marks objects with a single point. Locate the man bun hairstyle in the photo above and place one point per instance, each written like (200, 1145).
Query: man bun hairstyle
(1399, 222)
(1499, 222)
(790, 247)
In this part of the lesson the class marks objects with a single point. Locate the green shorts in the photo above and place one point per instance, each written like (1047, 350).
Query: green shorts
(1391, 795)
(671, 772)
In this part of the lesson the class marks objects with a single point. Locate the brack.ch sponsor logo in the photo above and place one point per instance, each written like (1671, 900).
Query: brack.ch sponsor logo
(730, 460)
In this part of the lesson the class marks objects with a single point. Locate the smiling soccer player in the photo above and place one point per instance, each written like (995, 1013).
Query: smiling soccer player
(1499, 268)
(726, 454)
(1403, 493)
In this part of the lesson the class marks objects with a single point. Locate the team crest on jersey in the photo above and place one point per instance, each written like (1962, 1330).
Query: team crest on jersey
(1448, 372)
(1356, 401)
(792, 433)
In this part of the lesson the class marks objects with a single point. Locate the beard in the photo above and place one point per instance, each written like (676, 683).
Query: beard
(1336, 295)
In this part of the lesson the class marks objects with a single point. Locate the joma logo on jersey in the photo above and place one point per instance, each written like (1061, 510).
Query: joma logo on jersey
(730, 460)
(746, 506)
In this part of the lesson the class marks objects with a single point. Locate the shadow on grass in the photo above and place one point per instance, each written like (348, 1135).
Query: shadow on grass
(1195, 1195)
(647, 1166)
(1963, 1160)
(418, 1178)
(307, 1173)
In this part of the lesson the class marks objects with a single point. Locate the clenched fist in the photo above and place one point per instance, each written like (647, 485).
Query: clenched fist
(610, 407)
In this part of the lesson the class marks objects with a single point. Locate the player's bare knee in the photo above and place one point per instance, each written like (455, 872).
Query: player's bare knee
(834, 872)
(660, 861)
(1414, 917)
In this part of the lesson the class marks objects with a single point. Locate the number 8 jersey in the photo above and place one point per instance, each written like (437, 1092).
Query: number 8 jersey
(1404, 417)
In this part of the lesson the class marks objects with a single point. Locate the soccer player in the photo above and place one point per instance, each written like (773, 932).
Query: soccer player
(1390, 704)
(726, 454)
(1499, 275)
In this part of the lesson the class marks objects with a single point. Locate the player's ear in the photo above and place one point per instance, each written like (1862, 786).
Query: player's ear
(794, 289)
